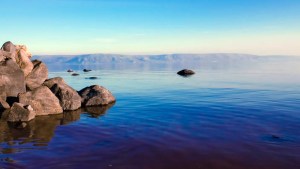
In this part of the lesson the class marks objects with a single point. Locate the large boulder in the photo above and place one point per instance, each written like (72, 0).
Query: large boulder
(20, 112)
(37, 76)
(42, 100)
(68, 97)
(12, 77)
(96, 96)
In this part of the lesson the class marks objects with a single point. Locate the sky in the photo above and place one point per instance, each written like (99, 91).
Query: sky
(263, 27)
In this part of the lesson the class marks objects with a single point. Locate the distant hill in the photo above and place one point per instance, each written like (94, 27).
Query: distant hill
(90, 59)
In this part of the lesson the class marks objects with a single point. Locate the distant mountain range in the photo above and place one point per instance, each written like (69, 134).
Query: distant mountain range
(91, 59)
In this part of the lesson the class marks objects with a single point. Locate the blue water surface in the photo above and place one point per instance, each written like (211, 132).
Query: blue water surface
(218, 118)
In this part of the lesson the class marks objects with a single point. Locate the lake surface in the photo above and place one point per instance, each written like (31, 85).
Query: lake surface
(227, 117)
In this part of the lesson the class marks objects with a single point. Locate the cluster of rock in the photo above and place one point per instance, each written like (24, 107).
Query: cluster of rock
(26, 91)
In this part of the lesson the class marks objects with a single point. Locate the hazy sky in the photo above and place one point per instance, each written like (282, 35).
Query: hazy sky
(153, 26)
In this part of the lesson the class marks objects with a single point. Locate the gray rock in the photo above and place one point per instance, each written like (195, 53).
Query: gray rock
(37, 76)
(68, 97)
(20, 112)
(96, 96)
(42, 100)
(12, 77)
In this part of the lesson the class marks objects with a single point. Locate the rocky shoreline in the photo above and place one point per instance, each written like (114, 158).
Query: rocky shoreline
(26, 91)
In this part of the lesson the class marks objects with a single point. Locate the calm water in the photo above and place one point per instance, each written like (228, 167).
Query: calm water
(222, 117)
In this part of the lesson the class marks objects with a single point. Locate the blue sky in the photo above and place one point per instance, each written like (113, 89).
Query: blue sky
(153, 26)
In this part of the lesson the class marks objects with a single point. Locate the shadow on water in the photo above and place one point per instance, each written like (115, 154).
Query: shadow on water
(40, 131)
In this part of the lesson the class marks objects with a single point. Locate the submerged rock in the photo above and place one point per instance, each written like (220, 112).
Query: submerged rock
(38, 75)
(20, 112)
(87, 70)
(92, 78)
(96, 95)
(42, 100)
(70, 70)
(68, 97)
(185, 72)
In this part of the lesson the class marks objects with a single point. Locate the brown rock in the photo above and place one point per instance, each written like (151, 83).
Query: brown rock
(42, 100)
(68, 97)
(20, 112)
(96, 96)
(12, 77)
(37, 76)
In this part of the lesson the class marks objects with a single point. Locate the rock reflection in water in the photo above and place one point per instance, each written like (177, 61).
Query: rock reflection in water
(96, 111)
(41, 130)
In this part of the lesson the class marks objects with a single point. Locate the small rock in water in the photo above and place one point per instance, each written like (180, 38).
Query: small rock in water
(70, 70)
(87, 70)
(75, 74)
(92, 78)
(185, 72)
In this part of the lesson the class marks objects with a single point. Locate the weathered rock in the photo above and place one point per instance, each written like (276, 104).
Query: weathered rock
(23, 59)
(96, 96)
(42, 100)
(12, 77)
(21, 112)
(37, 76)
(185, 72)
(68, 97)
